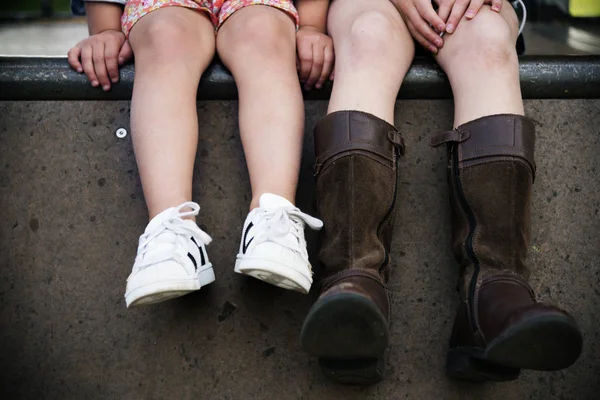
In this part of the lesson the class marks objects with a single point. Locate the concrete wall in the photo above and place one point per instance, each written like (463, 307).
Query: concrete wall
(72, 211)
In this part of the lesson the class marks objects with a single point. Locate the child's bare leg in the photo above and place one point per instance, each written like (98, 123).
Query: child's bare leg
(373, 51)
(172, 47)
(257, 44)
(481, 62)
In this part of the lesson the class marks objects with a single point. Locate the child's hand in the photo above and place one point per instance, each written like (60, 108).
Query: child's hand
(315, 56)
(453, 10)
(100, 56)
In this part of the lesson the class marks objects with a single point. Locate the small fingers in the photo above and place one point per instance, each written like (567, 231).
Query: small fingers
(317, 66)
(100, 65)
(112, 65)
(88, 65)
(126, 53)
(458, 10)
(73, 58)
(327, 66)
(474, 8)
(305, 57)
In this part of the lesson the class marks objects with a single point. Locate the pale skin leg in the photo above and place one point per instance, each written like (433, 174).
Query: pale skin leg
(258, 46)
(482, 66)
(373, 50)
(172, 47)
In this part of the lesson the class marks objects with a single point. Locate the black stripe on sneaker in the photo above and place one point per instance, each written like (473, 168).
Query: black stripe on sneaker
(244, 244)
(201, 250)
(191, 257)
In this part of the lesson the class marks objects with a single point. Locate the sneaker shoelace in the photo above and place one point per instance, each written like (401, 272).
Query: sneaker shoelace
(179, 231)
(281, 221)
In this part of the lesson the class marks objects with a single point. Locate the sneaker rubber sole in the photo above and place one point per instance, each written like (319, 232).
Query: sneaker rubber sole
(545, 343)
(348, 334)
(274, 273)
(157, 292)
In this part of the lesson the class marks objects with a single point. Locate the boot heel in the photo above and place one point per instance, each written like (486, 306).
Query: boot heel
(460, 364)
(353, 372)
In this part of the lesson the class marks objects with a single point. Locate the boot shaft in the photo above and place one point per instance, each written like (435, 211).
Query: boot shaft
(356, 178)
(490, 174)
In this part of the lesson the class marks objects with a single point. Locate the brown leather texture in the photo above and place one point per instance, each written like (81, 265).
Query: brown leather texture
(495, 192)
(462, 333)
(363, 282)
(502, 137)
(499, 195)
(344, 131)
(356, 177)
(491, 169)
(501, 302)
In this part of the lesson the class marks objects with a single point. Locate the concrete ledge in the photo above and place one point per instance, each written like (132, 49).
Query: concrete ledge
(542, 77)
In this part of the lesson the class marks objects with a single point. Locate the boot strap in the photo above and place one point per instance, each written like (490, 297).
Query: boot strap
(346, 131)
(453, 136)
(498, 137)
(394, 137)
(397, 140)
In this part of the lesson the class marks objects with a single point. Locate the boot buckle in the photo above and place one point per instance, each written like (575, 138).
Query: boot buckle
(397, 140)
(454, 136)
(317, 168)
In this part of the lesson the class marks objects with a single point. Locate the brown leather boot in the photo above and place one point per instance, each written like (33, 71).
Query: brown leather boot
(356, 174)
(499, 328)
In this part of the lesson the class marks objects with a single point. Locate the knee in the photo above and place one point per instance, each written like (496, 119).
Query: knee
(266, 37)
(374, 35)
(162, 39)
(487, 41)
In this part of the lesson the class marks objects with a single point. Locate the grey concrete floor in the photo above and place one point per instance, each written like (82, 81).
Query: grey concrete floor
(72, 211)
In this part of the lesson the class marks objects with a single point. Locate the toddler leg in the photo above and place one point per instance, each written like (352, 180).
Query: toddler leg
(172, 48)
(258, 45)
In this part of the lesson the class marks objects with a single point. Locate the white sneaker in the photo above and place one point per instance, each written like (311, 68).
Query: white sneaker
(171, 259)
(273, 247)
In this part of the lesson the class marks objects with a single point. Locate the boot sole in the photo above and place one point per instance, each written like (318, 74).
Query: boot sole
(547, 343)
(349, 335)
